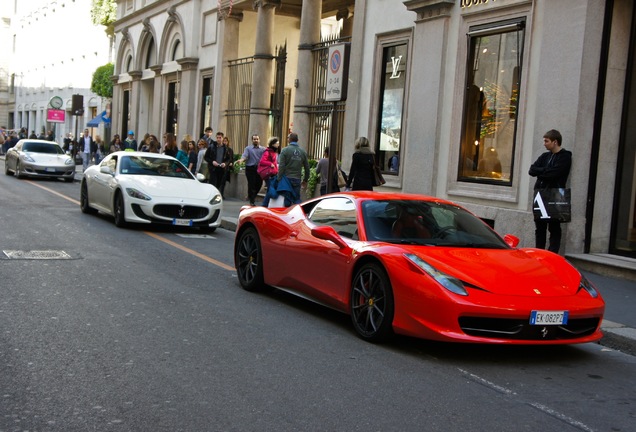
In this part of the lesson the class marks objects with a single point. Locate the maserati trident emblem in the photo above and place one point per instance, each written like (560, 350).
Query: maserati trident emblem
(181, 212)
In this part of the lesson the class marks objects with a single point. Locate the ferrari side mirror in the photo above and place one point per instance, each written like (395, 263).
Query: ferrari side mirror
(512, 241)
(329, 234)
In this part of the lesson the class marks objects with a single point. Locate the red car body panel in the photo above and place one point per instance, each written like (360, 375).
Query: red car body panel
(502, 283)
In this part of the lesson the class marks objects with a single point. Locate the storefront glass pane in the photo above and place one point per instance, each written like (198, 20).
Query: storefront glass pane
(623, 240)
(389, 137)
(490, 106)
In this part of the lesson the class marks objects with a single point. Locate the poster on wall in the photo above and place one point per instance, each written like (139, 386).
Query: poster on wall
(391, 123)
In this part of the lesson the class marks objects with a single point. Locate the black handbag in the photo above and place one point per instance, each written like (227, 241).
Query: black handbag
(378, 180)
(552, 203)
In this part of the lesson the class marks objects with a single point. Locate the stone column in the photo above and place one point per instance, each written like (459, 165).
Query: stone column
(135, 95)
(155, 110)
(187, 99)
(432, 22)
(229, 28)
(309, 36)
(262, 71)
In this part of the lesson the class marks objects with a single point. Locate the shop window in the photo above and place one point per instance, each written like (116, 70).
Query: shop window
(491, 103)
(392, 88)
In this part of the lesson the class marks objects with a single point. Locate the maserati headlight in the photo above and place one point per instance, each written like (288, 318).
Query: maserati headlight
(134, 193)
(451, 283)
(587, 286)
(216, 199)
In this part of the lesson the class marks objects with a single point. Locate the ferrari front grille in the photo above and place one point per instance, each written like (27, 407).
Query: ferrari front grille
(180, 212)
(518, 329)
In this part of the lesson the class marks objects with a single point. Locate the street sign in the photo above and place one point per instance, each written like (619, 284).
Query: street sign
(337, 73)
(55, 115)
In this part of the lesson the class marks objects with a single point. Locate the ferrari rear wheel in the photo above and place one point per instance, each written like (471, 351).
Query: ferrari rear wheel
(371, 303)
(119, 210)
(84, 200)
(248, 259)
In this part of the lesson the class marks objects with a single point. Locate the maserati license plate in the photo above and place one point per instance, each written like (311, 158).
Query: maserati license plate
(548, 317)
(182, 222)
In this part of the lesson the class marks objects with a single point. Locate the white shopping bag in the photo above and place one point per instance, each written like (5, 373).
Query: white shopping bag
(279, 201)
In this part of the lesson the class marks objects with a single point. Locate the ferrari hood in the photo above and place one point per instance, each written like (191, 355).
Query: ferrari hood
(167, 187)
(506, 271)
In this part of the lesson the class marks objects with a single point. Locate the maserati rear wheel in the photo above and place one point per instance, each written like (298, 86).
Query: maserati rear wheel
(371, 303)
(248, 259)
(84, 200)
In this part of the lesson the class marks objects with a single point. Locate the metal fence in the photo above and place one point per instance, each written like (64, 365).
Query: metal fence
(239, 95)
(320, 111)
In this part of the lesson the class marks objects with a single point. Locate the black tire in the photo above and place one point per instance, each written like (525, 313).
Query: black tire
(69, 179)
(84, 200)
(6, 167)
(248, 259)
(371, 303)
(119, 210)
(16, 171)
(208, 230)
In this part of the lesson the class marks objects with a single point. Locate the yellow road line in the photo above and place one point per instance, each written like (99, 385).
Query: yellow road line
(153, 235)
(190, 251)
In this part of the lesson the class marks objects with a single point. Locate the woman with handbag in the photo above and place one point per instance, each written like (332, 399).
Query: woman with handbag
(268, 166)
(322, 169)
(362, 171)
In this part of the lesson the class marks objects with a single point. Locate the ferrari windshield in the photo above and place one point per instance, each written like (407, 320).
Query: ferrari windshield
(426, 223)
(40, 147)
(153, 166)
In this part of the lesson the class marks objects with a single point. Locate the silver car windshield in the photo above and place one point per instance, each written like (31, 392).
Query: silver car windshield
(35, 147)
(153, 166)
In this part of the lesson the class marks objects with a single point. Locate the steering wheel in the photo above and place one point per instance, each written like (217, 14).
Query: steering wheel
(444, 232)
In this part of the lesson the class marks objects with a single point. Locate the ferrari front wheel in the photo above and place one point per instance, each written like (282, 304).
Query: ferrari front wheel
(248, 260)
(371, 303)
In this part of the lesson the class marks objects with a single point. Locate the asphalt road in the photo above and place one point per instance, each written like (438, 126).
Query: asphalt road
(148, 330)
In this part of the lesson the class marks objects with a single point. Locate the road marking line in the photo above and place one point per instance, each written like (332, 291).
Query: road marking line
(153, 235)
(190, 251)
(53, 192)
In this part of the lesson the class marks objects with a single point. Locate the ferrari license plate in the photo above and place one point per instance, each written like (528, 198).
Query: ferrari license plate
(182, 222)
(548, 317)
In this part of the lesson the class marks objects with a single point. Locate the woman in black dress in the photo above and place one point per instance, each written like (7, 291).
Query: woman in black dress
(362, 163)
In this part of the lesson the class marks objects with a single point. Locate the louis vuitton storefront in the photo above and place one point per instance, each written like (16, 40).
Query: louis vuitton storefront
(460, 93)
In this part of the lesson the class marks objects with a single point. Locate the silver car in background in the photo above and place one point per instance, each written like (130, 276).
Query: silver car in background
(39, 158)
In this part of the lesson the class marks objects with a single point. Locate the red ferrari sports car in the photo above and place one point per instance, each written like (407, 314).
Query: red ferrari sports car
(418, 266)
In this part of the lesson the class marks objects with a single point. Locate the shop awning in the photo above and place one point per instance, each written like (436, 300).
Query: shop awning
(101, 118)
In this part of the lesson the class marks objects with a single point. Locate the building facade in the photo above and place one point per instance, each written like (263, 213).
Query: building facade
(454, 95)
(54, 50)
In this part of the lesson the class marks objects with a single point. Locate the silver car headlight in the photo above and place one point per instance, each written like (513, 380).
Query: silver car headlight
(28, 158)
(449, 282)
(586, 285)
(69, 161)
(216, 199)
(134, 193)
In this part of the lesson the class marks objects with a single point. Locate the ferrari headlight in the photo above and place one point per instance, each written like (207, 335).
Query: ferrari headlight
(216, 199)
(134, 193)
(451, 283)
(587, 286)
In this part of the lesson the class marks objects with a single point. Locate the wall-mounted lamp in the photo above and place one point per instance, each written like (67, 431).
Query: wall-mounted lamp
(296, 83)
